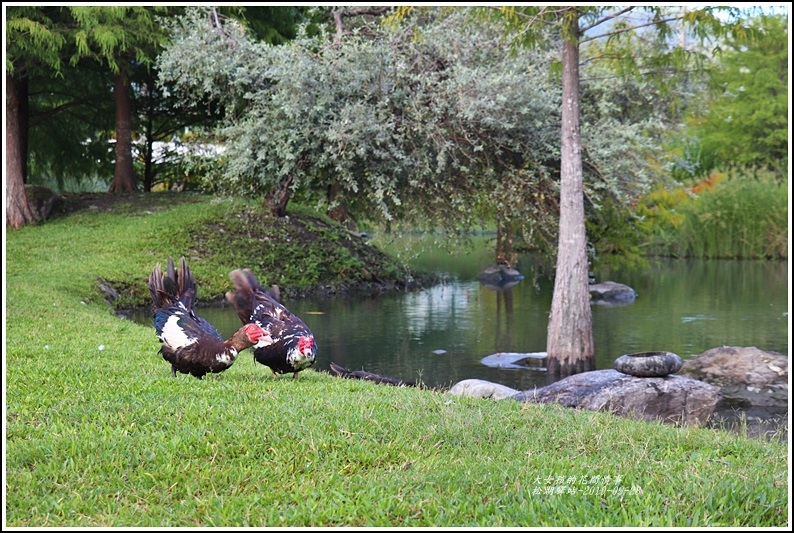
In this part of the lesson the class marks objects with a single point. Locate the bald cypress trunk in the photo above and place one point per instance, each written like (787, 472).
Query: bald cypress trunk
(569, 343)
(124, 174)
(18, 211)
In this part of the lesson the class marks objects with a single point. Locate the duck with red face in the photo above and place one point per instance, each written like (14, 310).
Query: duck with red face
(293, 348)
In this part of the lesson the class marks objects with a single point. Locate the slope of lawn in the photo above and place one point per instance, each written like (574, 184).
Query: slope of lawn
(98, 433)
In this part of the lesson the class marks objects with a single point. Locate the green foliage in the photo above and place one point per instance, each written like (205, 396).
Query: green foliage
(744, 125)
(71, 128)
(273, 24)
(66, 96)
(408, 124)
(111, 34)
(739, 218)
(430, 122)
(329, 256)
(660, 216)
(33, 40)
(616, 235)
(63, 53)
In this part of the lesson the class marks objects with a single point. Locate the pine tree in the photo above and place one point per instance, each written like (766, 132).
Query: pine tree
(118, 37)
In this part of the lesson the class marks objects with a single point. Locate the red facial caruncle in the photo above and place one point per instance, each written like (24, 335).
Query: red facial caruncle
(306, 345)
(257, 335)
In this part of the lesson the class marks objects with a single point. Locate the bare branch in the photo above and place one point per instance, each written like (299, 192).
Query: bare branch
(533, 18)
(42, 117)
(339, 13)
(216, 25)
(605, 19)
(617, 32)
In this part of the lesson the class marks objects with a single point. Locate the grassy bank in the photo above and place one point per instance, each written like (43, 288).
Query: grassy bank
(99, 434)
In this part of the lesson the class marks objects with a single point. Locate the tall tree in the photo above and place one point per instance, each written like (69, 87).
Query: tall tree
(18, 212)
(117, 37)
(569, 345)
(745, 122)
(569, 340)
(33, 44)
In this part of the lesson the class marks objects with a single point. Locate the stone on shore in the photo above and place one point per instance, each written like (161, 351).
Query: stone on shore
(482, 389)
(746, 376)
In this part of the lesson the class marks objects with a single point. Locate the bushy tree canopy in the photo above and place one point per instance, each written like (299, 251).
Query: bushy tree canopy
(745, 125)
(433, 121)
(739, 118)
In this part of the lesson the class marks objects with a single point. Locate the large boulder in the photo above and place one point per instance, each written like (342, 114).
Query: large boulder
(671, 399)
(611, 293)
(42, 200)
(745, 376)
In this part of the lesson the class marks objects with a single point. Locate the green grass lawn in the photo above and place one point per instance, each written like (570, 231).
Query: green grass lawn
(98, 433)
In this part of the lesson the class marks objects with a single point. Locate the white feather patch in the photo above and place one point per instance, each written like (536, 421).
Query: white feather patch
(260, 309)
(227, 357)
(298, 361)
(173, 335)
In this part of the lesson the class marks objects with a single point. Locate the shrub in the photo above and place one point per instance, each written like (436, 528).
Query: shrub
(733, 218)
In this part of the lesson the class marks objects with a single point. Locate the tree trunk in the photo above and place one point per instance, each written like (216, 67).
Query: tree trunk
(569, 343)
(23, 94)
(340, 213)
(505, 253)
(278, 198)
(148, 168)
(18, 211)
(124, 175)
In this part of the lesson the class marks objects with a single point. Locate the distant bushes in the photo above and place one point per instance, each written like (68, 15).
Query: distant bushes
(725, 217)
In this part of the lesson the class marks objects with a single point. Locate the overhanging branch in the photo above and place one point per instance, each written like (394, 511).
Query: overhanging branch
(339, 13)
(617, 32)
(605, 19)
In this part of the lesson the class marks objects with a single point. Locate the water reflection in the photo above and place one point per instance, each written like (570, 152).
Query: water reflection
(441, 308)
(504, 307)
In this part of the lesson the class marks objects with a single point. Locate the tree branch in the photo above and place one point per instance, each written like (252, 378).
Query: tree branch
(605, 19)
(42, 117)
(339, 13)
(616, 32)
(533, 18)
(215, 24)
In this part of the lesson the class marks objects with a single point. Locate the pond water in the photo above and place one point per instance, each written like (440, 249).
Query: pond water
(441, 334)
